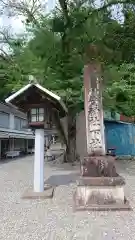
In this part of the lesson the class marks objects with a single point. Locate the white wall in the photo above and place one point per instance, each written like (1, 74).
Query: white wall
(11, 121)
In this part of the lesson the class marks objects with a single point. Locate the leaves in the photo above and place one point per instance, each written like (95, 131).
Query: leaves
(58, 48)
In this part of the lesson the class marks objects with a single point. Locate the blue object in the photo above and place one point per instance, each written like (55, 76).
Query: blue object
(120, 138)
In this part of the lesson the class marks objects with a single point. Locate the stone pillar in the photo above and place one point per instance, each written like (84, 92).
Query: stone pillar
(99, 187)
(39, 161)
(94, 110)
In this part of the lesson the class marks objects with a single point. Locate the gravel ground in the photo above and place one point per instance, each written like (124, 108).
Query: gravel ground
(55, 219)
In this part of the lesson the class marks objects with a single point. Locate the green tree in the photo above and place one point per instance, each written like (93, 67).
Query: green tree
(59, 48)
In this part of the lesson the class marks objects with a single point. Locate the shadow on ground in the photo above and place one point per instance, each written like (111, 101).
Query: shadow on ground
(64, 166)
(7, 160)
(65, 179)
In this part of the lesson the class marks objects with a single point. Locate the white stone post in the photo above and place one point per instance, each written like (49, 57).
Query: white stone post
(39, 161)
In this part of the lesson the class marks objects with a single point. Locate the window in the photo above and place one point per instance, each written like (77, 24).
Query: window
(37, 115)
(4, 120)
(17, 123)
(23, 124)
(20, 123)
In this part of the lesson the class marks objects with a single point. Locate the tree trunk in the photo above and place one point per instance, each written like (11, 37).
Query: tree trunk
(71, 148)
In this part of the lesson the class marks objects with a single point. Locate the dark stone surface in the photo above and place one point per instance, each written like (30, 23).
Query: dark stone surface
(101, 181)
(98, 166)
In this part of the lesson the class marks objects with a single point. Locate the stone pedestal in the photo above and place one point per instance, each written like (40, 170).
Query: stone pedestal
(100, 194)
(46, 194)
(100, 187)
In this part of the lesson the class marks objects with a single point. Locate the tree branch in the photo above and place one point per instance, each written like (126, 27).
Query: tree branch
(105, 6)
(29, 9)
(5, 56)
(64, 7)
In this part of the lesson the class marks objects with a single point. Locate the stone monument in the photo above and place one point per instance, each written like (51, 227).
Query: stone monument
(100, 187)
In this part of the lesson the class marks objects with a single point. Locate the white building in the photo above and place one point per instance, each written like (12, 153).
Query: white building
(14, 135)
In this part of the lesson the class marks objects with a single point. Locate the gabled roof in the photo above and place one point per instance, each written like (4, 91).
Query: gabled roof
(49, 93)
(11, 109)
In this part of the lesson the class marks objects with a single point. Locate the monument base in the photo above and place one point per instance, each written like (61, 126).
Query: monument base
(46, 194)
(100, 193)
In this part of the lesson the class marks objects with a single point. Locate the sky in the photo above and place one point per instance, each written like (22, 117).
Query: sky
(16, 22)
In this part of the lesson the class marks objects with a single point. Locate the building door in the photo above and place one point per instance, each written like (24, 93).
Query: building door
(4, 147)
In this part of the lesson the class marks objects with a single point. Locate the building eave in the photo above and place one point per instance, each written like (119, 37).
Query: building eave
(46, 91)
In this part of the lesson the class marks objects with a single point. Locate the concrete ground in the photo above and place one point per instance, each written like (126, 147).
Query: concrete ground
(55, 219)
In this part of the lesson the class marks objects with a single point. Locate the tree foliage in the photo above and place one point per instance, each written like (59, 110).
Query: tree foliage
(58, 48)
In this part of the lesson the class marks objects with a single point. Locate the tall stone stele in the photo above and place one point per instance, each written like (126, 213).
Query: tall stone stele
(99, 187)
